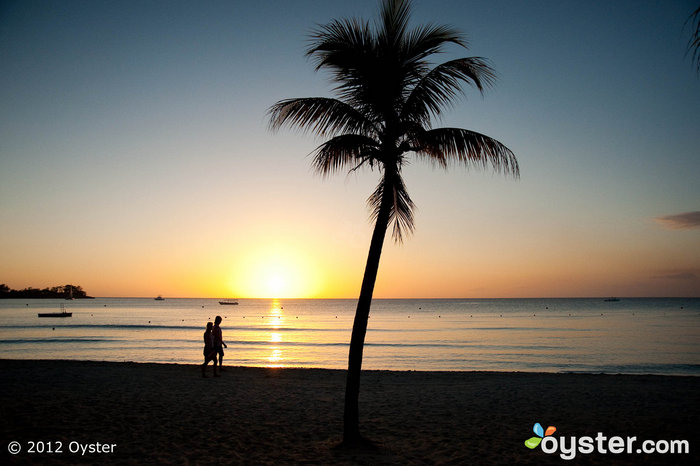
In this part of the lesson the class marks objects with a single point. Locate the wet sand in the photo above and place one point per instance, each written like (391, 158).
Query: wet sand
(167, 413)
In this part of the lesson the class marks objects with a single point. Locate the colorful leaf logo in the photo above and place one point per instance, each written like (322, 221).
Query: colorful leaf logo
(533, 442)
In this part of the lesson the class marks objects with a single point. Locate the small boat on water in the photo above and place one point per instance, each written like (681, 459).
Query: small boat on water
(611, 300)
(159, 298)
(228, 303)
(63, 313)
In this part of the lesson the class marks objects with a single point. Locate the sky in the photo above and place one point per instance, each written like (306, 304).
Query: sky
(136, 159)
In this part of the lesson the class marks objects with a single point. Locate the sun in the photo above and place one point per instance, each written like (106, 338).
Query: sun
(275, 273)
(277, 281)
(276, 285)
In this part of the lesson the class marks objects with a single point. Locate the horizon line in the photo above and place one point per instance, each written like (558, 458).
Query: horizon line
(382, 298)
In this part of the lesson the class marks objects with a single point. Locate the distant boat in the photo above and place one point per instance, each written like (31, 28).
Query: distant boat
(611, 300)
(70, 294)
(159, 298)
(63, 313)
(228, 303)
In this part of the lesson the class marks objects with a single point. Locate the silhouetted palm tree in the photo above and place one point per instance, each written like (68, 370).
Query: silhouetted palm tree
(388, 93)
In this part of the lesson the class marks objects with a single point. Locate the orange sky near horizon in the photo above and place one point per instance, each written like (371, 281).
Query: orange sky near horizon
(304, 263)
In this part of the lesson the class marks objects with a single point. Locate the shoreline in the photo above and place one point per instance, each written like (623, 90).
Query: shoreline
(167, 413)
(364, 371)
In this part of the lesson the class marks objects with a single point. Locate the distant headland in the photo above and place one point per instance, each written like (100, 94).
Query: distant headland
(60, 292)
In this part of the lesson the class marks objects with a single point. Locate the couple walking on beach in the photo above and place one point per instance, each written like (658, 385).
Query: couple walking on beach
(213, 345)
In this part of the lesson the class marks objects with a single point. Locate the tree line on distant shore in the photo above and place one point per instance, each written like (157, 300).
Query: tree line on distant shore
(65, 292)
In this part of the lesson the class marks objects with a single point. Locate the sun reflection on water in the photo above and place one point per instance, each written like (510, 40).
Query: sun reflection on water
(275, 321)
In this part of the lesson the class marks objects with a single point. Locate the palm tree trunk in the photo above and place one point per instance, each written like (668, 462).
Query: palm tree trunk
(351, 419)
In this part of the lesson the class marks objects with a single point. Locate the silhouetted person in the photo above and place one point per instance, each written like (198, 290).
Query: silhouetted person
(209, 350)
(219, 344)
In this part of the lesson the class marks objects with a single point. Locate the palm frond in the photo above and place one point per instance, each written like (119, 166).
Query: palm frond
(339, 44)
(694, 41)
(455, 145)
(401, 206)
(394, 16)
(419, 44)
(439, 88)
(343, 151)
(424, 41)
(323, 116)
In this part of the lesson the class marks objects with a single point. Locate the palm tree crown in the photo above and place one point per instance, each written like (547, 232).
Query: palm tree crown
(387, 96)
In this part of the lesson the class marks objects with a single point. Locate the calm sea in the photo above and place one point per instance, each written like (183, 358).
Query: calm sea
(651, 336)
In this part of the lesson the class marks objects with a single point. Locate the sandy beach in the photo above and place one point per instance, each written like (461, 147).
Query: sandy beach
(167, 413)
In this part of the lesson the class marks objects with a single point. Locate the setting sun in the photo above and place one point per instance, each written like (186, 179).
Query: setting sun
(276, 285)
(275, 272)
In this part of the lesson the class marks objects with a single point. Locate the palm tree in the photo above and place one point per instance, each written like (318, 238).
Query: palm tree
(387, 94)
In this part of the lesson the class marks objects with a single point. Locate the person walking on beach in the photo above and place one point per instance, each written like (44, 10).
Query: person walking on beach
(219, 344)
(209, 350)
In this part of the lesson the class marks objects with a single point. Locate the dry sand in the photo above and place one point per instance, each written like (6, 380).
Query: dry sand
(168, 414)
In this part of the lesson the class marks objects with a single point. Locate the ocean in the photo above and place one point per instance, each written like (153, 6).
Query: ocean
(630, 336)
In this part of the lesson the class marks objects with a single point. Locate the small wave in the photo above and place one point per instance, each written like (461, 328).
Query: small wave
(110, 326)
(58, 340)
(641, 369)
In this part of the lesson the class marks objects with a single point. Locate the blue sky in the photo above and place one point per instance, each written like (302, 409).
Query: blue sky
(135, 157)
